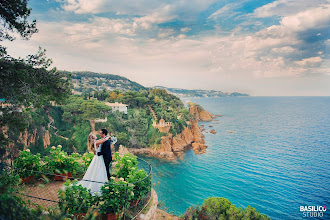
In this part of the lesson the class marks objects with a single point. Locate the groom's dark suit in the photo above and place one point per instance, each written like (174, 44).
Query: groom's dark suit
(106, 152)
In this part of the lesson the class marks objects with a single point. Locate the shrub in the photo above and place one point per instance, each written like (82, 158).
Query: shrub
(125, 164)
(75, 198)
(221, 208)
(58, 161)
(113, 197)
(141, 181)
(26, 162)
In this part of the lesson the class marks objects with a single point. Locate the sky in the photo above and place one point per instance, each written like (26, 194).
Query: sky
(260, 47)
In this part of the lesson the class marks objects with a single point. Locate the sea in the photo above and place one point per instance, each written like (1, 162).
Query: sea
(271, 153)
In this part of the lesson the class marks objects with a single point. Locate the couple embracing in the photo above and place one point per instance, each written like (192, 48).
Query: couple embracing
(98, 170)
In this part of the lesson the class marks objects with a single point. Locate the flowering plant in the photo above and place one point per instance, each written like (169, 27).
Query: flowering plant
(142, 183)
(113, 198)
(26, 162)
(87, 158)
(59, 162)
(125, 164)
(75, 198)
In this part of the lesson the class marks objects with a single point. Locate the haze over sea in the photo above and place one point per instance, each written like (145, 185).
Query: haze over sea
(271, 153)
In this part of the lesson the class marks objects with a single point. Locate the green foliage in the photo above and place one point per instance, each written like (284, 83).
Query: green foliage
(221, 208)
(154, 136)
(113, 199)
(122, 139)
(64, 128)
(141, 181)
(138, 129)
(81, 131)
(109, 79)
(125, 164)
(59, 162)
(195, 213)
(27, 83)
(13, 16)
(84, 109)
(87, 158)
(75, 198)
(11, 206)
(26, 163)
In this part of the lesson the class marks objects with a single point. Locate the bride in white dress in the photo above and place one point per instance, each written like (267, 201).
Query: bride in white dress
(96, 173)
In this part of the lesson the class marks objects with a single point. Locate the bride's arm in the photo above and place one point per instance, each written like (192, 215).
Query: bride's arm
(101, 141)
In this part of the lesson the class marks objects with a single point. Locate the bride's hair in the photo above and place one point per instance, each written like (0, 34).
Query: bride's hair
(90, 142)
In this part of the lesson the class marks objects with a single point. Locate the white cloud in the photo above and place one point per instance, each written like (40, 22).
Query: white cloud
(186, 29)
(286, 7)
(119, 46)
(160, 16)
(309, 61)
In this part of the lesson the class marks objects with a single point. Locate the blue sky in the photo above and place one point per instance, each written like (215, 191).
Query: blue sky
(260, 47)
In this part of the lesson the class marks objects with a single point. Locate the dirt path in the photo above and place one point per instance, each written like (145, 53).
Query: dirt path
(51, 121)
(44, 192)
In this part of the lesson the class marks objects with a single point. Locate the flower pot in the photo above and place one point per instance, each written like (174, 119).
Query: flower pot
(110, 216)
(133, 203)
(28, 179)
(79, 215)
(62, 176)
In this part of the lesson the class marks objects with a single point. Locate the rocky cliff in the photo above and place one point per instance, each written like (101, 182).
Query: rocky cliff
(191, 137)
(199, 113)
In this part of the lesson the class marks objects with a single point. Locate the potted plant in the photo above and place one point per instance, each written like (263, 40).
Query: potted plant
(114, 198)
(124, 164)
(76, 200)
(60, 163)
(25, 164)
(142, 184)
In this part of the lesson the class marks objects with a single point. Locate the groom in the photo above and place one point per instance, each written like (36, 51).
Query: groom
(105, 151)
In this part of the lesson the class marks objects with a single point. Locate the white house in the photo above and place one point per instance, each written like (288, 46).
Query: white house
(118, 107)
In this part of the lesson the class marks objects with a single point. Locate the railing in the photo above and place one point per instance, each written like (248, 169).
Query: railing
(43, 191)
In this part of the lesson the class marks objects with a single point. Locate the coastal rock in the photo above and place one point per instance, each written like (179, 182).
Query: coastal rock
(199, 113)
(199, 148)
(213, 131)
(172, 147)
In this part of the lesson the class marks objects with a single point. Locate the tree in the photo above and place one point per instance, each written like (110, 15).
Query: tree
(24, 83)
(13, 16)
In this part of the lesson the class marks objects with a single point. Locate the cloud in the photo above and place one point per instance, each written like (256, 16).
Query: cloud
(286, 7)
(137, 47)
(160, 16)
(226, 10)
(309, 61)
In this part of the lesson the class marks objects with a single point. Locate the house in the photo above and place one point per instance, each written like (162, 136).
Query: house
(117, 107)
(162, 125)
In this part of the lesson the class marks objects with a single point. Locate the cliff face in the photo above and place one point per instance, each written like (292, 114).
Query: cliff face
(200, 115)
(28, 138)
(172, 147)
(191, 137)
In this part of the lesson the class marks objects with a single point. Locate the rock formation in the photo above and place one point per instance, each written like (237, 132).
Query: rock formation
(199, 113)
(191, 137)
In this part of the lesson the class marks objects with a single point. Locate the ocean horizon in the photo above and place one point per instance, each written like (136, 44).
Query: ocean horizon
(271, 153)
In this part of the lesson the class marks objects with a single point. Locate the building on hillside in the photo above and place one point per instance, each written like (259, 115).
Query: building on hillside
(117, 107)
(162, 125)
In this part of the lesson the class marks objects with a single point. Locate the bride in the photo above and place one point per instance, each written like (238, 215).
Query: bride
(96, 173)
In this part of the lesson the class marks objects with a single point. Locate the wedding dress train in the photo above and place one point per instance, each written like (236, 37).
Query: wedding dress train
(96, 174)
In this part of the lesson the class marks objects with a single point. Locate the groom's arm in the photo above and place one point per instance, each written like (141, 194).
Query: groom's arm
(102, 151)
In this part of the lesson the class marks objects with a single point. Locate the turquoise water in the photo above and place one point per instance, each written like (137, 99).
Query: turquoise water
(271, 153)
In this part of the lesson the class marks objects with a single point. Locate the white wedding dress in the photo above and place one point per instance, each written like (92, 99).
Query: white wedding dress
(95, 172)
